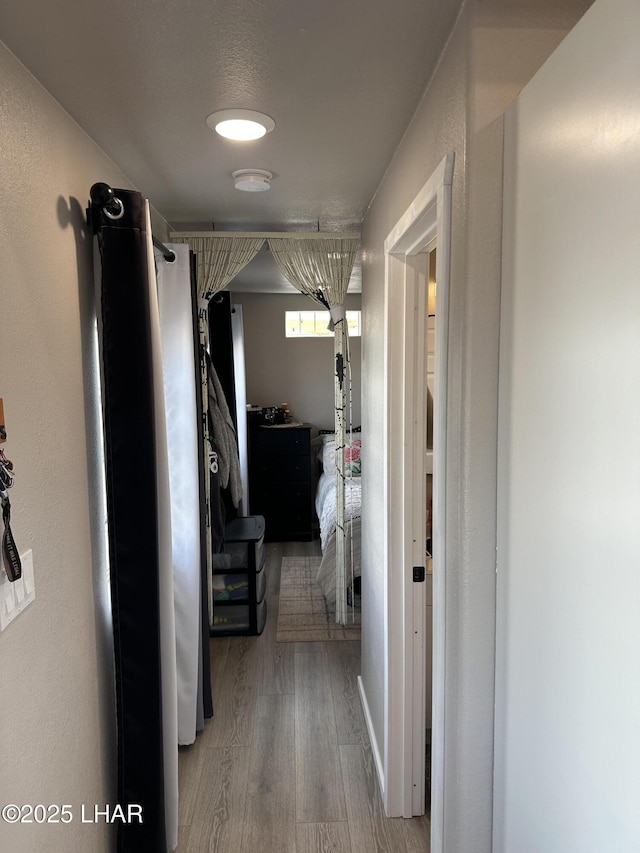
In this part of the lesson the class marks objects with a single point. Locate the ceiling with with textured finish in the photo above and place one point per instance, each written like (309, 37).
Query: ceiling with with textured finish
(341, 78)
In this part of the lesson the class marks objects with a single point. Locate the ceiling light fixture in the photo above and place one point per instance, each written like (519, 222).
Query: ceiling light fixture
(252, 180)
(240, 125)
